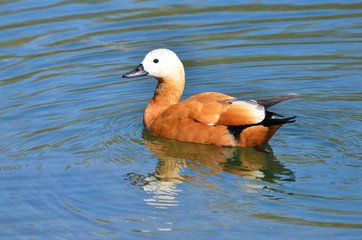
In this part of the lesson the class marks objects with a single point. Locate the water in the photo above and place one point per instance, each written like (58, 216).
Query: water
(76, 163)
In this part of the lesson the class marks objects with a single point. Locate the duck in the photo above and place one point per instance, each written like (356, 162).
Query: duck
(206, 118)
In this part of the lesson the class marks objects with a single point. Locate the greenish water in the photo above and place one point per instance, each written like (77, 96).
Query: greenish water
(76, 163)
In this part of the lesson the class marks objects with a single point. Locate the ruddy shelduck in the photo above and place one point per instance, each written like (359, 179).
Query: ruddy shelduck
(208, 118)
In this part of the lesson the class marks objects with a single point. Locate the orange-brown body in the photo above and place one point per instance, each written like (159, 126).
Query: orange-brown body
(204, 118)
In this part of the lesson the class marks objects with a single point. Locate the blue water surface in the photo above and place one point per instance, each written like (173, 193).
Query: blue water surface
(76, 162)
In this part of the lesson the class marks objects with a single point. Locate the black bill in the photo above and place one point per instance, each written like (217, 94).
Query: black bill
(137, 72)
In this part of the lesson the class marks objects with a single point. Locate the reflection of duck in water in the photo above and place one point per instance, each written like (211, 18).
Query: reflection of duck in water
(209, 118)
(202, 164)
(212, 160)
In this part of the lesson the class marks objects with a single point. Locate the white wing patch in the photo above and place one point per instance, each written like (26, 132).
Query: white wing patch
(256, 110)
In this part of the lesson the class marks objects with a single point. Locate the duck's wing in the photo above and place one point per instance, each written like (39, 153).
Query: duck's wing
(221, 109)
(242, 112)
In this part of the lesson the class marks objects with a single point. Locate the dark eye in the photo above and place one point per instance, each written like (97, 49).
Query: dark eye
(155, 60)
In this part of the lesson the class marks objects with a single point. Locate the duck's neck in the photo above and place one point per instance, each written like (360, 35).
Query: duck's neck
(168, 92)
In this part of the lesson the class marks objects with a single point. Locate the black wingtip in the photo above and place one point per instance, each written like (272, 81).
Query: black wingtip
(275, 100)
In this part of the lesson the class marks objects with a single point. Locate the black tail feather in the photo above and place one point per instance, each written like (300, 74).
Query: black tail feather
(267, 122)
(277, 121)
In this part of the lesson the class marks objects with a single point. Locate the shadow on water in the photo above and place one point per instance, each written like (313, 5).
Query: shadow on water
(203, 165)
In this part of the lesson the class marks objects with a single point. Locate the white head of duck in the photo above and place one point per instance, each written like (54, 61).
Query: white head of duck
(167, 68)
(162, 64)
